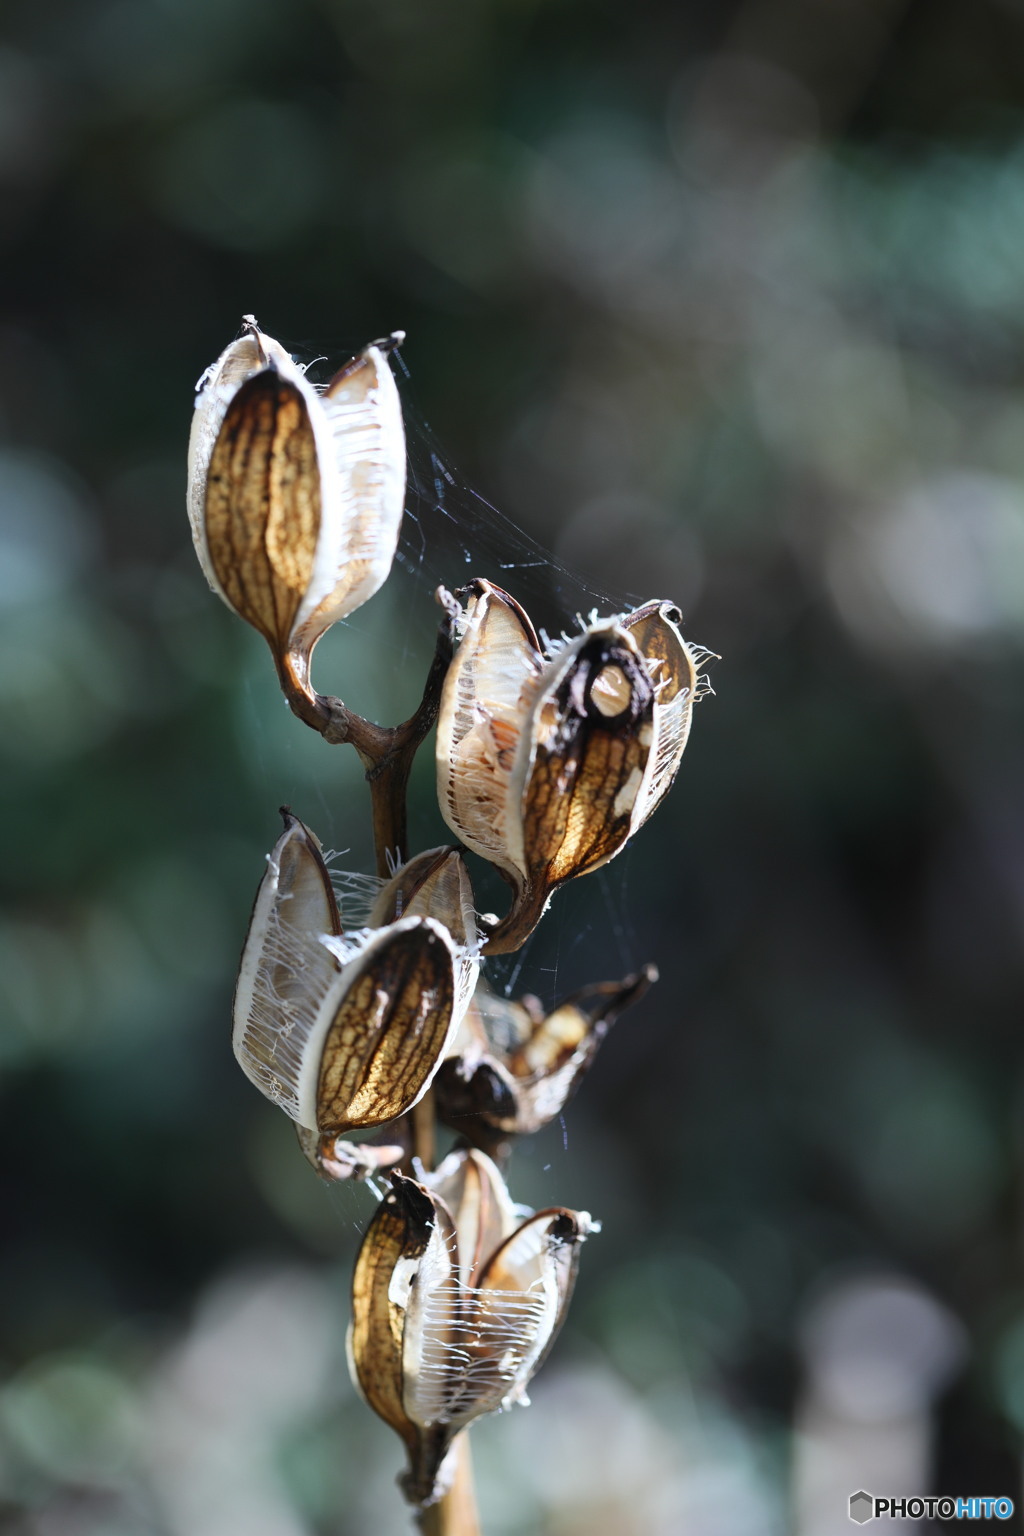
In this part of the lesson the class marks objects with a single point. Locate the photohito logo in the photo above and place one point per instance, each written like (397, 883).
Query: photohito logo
(865, 1507)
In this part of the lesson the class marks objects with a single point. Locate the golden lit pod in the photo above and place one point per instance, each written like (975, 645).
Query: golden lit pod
(512, 1067)
(436, 884)
(344, 1032)
(456, 1301)
(547, 763)
(295, 497)
(672, 663)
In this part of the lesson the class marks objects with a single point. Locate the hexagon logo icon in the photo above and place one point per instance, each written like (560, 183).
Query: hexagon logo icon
(862, 1507)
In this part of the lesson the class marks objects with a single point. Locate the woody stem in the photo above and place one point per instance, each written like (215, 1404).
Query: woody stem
(386, 752)
(423, 1124)
(513, 930)
(456, 1513)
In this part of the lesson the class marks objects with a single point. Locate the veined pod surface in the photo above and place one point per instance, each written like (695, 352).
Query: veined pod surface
(295, 497)
(547, 763)
(436, 884)
(513, 1066)
(456, 1301)
(344, 1032)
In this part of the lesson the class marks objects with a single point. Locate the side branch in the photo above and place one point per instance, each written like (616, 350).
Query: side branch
(386, 752)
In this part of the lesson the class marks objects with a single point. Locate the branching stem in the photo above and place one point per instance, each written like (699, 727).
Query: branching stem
(386, 752)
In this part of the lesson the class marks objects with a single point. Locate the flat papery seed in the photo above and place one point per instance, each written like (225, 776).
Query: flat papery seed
(552, 1043)
(529, 1064)
(433, 884)
(486, 696)
(384, 1028)
(587, 769)
(285, 972)
(440, 888)
(399, 1234)
(672, 723)
(263, 503)
(576, 1027)
(610, 691)
(474, 1191)
(396, 895)
(447, 895)
(363, 414)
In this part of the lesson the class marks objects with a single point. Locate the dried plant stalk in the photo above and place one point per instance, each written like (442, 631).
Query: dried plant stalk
(548, 760)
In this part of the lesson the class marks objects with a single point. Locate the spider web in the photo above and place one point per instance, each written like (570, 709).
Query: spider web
(450, 534)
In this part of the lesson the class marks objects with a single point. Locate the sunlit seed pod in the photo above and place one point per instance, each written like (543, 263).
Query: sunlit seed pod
(673, 665)
(489, 692)
(252, 353)
(286, 969)
(343, 1032)
(512, 1067)
(295, 497)
(436, 884)
(547, 764)
(456, 1301)
(538, 765)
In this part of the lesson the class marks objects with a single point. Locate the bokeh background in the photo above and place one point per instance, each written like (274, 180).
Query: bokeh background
(722, 302)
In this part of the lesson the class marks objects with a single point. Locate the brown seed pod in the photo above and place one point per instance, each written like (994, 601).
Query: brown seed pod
(456, 1301)
(513, 1067)
(547, 765)
(295, 497)
(343, 1032)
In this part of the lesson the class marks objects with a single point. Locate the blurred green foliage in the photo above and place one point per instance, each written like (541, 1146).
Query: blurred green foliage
(717, 302)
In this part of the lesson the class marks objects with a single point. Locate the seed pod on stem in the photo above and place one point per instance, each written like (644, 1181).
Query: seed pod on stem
(436, 884)
(512, 1067)
(547, 763)
(295, 497)
(344, 1032)
(456, 1302)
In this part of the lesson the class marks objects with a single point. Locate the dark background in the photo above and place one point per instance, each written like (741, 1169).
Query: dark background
(718, 302)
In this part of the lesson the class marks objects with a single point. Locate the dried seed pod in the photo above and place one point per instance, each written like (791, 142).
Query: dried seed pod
(343, 1032)
(432, 884)
(512, 1067)
(285, 968)
(673, 665)
(436, 884)
(295, 497)
(548, 764)
(456, 1301)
